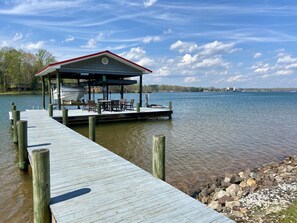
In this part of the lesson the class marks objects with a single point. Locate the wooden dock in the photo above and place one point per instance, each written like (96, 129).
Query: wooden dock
(78, 116)
(91, 184)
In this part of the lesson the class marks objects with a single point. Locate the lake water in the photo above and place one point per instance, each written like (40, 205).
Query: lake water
(210, 134)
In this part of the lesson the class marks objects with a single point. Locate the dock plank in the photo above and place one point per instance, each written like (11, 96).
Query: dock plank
(117, 190)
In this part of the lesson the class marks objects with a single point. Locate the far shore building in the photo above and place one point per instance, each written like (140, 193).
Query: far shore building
(102, 69)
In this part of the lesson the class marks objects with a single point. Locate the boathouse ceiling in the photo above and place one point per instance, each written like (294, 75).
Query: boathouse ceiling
(98, 66)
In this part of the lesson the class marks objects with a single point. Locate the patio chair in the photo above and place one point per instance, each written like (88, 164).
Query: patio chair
(92, 105)
(115, 105)
(123, 103)
(130, 105)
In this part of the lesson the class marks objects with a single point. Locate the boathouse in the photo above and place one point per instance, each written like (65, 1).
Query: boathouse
(99, 69)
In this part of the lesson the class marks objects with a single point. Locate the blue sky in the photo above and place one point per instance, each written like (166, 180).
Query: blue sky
(193, 43)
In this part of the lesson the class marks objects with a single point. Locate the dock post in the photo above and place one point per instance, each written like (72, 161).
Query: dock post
(16, 118)
(99, 107)
(41, 185)
(138, 107)
(12, 107)
(65, 116)
(92, 128)
(23, 144)
(158, 161)
(50, 110)
(170, 106)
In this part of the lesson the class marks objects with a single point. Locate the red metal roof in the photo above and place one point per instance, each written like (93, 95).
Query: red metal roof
(53, 66)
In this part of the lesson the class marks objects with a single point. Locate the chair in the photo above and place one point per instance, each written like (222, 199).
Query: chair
(114, 105)
(130, 105)
(123, 103)
(92, 105)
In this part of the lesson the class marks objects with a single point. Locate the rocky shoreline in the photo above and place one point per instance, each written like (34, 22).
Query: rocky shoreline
(254, 195)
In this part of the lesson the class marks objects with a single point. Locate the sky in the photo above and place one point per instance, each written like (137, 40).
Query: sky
(222, 43)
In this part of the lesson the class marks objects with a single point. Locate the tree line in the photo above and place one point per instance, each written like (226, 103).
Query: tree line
(17, 69)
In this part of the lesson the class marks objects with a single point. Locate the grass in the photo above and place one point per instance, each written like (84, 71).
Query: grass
(289, 215)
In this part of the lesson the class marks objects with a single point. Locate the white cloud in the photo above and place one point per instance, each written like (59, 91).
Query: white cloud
(184, 47)
(69, 39)
(211, 62)
(167, 32)
(138, 55)
(217, 47)
(52, 40)
(148, 3)
(91, 44)
(257, 55)
(284, 72)
(186, 60)
(149, 39)
(191, 80)
(286, 59)
(17, 36)
(3, 44)
(34, 46)
(236, 78)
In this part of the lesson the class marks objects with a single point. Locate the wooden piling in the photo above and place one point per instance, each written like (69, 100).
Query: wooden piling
(41, 185)
(12, 107)
(158, 162)
(138, 107)
(23, 144)
(16, 118)
(92, 128)
(50, 110)
(65, 116)
(99, 107)
(170, 105)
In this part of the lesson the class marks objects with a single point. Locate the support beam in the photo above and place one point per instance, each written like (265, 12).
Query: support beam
(23, 144)
(43, 92)
(49, 90)
(59, 91)
(140, 90)
(89, 88)
(122, 90)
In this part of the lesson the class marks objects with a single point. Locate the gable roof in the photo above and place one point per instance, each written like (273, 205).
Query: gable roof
(54, 66)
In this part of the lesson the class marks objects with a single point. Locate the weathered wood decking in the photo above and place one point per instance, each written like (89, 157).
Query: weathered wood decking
(91, 184)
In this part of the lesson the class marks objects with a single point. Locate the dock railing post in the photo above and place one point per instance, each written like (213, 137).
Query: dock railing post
(23, 144)
(158, 162)
(170, 106)
(138, 107)
(50, 110)
(65, 116)
(12, 108)
(16, 118)
(99, 107)
(41, 185)
(92, 128)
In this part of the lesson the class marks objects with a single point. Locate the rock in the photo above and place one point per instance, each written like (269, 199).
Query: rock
(225, 184)
(235, 179)
(245, 174)
(220, 194)
(238, 214)
(251, 182)
(214, 205)
(289, 169)
(278, 179)
(212, 188)
(243, 184)
(254, 175)
(232, 204)
(224, 199)
(233, 189)
(227, 180)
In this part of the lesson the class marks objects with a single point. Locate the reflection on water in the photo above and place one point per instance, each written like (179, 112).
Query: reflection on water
(210, 133)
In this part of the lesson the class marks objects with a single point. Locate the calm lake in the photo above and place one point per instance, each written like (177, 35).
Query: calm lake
(210, 134)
